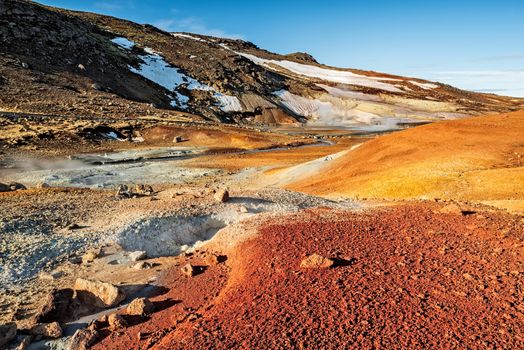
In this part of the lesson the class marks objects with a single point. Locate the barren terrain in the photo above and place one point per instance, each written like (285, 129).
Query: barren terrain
(180, 191)
(475, 159)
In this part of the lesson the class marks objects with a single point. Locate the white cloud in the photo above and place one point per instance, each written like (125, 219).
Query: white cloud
(501, 82)
(193, 25)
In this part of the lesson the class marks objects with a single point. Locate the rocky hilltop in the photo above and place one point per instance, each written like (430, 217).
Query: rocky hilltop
(59, 62)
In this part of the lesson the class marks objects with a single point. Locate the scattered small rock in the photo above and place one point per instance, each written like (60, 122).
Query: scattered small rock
(177, 139)
(142, 265)
(243, 209)
(42, 185)
(211, 259)
(100, 294)
(122, 191)
(97, 87)
(468, 276)
(7, 333)
(82, 339)
(139, 190)
(81, 67)
(316, 261)
(116, 322)
(73, 227)
(188, 270)
(222, 196)
(143, 190)
(47, 330)
(15, 186)
(140, 306)
(452, 208)
(89, 257)
(138, 255)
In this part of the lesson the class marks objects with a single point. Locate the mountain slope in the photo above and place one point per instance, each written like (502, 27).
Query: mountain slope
(56, 61)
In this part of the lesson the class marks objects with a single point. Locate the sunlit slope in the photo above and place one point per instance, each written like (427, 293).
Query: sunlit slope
(479, 158)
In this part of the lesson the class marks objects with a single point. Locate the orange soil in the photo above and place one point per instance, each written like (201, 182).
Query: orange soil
(218, 137)
(276, 158)
(479, 158)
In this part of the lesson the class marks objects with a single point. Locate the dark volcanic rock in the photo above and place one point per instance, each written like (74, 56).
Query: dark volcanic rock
(56, 307)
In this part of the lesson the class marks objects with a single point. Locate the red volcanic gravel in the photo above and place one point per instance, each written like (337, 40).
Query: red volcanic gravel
(405, 278)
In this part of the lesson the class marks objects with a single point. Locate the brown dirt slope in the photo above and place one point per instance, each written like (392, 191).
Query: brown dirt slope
(479, 158)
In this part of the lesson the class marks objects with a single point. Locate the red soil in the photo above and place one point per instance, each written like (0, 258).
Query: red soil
(407, 277)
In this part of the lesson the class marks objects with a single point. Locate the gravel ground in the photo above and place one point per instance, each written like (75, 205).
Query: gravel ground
(406, 277)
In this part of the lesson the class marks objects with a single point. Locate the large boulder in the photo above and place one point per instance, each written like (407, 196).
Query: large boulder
(4, 187)
(99, 294)
(452, 208)
(7, 333)
(143, 190)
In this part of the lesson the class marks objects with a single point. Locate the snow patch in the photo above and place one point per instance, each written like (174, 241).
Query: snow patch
(425, 86)
(124, 43)
(112, 136)
(187, 36)
(343, 93)
(336, 76)
(156, 69)
(228, 103)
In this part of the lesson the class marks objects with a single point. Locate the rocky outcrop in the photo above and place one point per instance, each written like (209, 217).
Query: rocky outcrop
(99, 294)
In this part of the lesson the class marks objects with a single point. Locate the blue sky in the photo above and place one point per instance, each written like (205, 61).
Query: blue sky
(476, 45)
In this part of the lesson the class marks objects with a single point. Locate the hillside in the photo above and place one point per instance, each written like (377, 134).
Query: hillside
(480, 159)
(58, 62)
